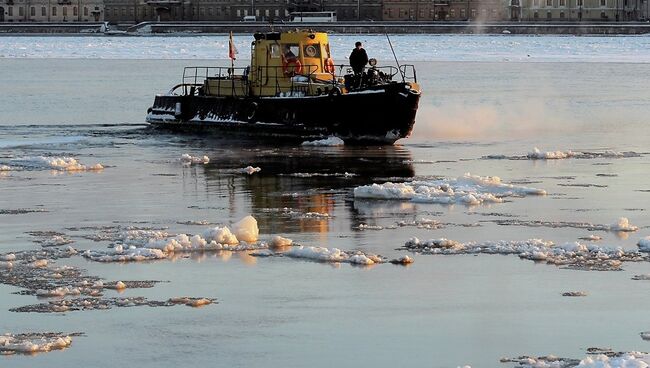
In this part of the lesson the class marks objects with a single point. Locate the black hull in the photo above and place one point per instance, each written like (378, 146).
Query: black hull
(380, 115)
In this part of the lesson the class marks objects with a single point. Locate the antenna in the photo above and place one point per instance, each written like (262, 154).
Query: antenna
(395, 56)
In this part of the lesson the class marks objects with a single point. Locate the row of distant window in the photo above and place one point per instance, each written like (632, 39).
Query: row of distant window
(32, 11)
(194, 10)
(563, 3)
(549, 15)
(436, 14)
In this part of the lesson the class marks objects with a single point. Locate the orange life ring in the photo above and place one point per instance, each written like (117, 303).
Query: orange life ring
(291, 67)
(329, 65)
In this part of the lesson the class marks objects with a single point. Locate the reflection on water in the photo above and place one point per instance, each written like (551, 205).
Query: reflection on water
(297, 189)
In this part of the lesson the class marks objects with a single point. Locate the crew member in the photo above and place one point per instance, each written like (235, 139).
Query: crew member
(358, 58)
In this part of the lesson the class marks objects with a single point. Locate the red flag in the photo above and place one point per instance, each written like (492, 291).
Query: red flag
(232, 50)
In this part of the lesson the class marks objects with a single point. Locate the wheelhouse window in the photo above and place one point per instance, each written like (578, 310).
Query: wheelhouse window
(290, 51)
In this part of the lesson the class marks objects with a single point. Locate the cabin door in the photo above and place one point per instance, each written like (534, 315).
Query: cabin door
(2, 14)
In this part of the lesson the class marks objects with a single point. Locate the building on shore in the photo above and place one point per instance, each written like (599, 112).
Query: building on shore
(581, 10)
(364, 10)
(51, 11)
(442, 10)
(136, 11)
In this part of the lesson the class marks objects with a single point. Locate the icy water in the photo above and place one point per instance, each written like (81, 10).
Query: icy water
(478, 117)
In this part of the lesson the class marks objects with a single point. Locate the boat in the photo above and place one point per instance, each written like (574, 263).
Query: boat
(293, 89)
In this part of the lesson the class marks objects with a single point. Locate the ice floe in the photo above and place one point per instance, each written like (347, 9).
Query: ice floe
(296, 214)
(572, 255)
(50, 238)
(622, 225)
(574, 293)
(188, 159)
(146, 245)
(314, 175)
(644, 244)
(31, 343)
(280, 242)
(81, 304)
(591, 237)
(335, 255)
(403, 260)
(468, 189)
(21, 211)
(329, 141)
(537, 154)
(250, 170)
(552, 155)
(62, 163)
(597, 358)
(246, 229)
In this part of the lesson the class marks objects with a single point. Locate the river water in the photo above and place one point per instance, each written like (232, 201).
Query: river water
(476, 116)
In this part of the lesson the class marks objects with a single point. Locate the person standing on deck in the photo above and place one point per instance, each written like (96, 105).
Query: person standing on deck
(358, 58)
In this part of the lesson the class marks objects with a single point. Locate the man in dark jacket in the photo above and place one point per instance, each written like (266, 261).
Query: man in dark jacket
(358, 58)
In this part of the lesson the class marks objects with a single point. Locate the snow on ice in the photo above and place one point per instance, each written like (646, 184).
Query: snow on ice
(55, 163)
(188, 159)
(329, 141)
(572, 255)
(468, 189)
(334, 255)
(606, 359)
(142, 245)
(644, 244)
(31, 343)
(250, 170)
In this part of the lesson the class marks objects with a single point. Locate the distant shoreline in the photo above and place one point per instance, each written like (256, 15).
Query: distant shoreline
(203, 28)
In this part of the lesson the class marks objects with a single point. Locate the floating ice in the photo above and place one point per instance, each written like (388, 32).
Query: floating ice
(246, 229)
(622, 225)
(81, 304)
(188, 159)
(34, 342)
(574, 293)
(143, 245)
(643, 277)
(280, 242)
(329, 141)
(250, 170)
(8, 257)
(128, 255)
(191, 302)
(403, 260)
(40, 263)
(591, 237)
(369, 227)
(553, 155)
(58, 292)
(468, 189)
(55, 163)
(313, 175)
(221, 235)
(333, 255)
(537, 154)
(644, 244)
(572, 255)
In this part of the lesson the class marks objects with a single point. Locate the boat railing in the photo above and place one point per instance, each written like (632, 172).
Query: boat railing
(408, 72)
(405, 71)
(300, 81)
(194, 76)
